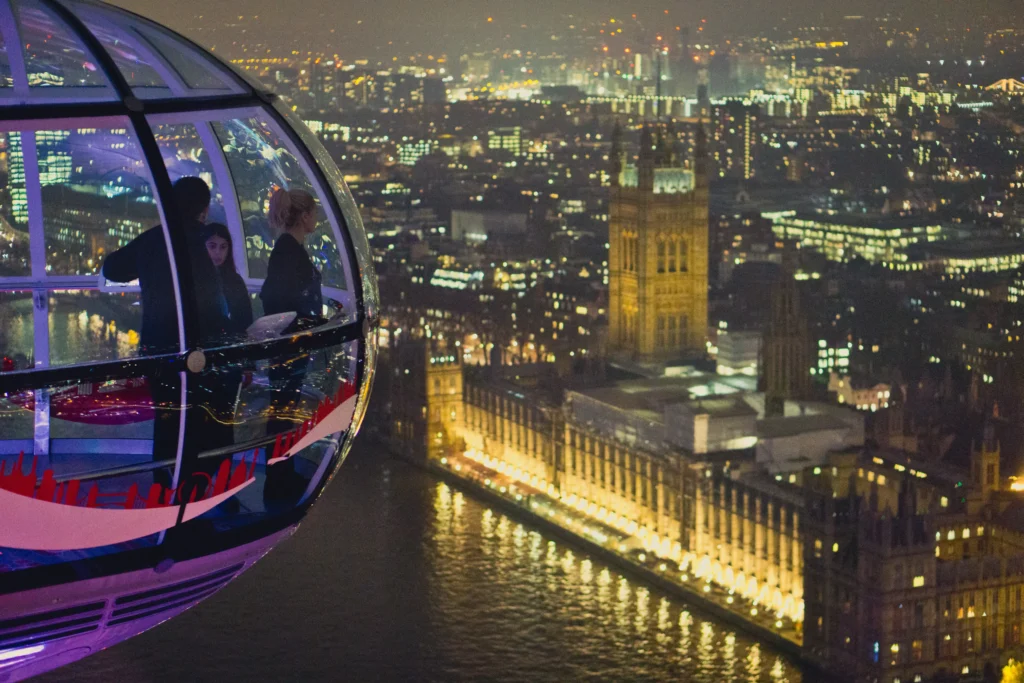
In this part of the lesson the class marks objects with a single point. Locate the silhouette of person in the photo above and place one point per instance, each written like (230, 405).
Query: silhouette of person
(146, 259)
(292, 284)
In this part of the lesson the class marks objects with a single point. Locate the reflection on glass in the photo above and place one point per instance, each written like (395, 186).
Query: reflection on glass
(104, 446)
(6, 78)
(260, 162)
(185, 155)
(14, 242)
(96, 196)
(88, 327)
(54, 56)
(371, 295)
(133, 64)
(16, 326)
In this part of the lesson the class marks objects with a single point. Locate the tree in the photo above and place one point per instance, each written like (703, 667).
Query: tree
(1013, 672)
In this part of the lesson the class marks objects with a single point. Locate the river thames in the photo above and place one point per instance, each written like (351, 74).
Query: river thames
(397, 576)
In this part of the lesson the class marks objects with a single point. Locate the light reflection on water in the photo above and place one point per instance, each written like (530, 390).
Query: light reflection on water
(608, 625)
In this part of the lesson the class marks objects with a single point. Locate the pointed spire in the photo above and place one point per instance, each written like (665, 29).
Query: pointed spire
(660, 149)
(646, 144)
(700, 157)
(671, 139)
(615, 156)
(646, 160)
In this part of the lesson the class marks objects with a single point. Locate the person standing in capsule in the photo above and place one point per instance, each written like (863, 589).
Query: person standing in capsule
(292, 284)
(145, 259)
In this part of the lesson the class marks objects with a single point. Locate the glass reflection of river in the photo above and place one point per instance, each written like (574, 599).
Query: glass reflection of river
(397, 576)
(85, 327)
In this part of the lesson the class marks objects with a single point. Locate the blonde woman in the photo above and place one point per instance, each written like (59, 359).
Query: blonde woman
(293, 282)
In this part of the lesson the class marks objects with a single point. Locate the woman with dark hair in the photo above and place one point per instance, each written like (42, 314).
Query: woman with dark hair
(223, 382)
(219, 247)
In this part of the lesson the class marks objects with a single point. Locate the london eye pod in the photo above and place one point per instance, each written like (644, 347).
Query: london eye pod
(150, 450)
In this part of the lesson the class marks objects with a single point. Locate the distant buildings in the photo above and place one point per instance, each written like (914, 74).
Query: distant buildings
(841, 238)
(734, 135)
(479, 226)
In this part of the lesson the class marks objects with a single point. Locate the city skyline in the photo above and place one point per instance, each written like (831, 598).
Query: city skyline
(358, 30)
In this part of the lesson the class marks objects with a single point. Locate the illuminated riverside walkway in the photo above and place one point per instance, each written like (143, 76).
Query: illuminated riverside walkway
(623, 542)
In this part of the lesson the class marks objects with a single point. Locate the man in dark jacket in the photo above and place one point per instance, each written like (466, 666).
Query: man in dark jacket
(145, 259)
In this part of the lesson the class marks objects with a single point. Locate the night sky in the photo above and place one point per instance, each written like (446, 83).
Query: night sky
(454, 26)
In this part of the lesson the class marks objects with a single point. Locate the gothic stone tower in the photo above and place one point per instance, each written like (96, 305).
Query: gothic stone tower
(787, 348)
(658, 255)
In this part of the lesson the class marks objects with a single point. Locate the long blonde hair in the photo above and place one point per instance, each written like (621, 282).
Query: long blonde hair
(288, 206)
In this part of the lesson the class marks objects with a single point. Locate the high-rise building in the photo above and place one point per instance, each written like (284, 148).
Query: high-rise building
(787, 349)
(735, 142)
(658, 267)
(509, 138)
(410, 152)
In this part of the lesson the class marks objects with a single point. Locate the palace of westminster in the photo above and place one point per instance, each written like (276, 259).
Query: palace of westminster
(894, 565)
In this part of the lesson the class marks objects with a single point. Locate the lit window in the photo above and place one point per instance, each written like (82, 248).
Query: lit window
(981, 531)
(938, 535)
(967, 533)
(835, 547)
(944, 502)
(951, 536)
(881, 480)
(918, 581)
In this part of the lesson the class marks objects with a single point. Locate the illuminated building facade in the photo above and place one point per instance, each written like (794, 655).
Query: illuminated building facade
(841, 238)
(411, 152)
(658, 267)
(509, 139)
(912, 573)
(748, 537)
(735, 140)
(888, 568)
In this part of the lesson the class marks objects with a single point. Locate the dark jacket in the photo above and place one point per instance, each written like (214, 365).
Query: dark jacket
(292, 284)
(239, 303)
(145, 259)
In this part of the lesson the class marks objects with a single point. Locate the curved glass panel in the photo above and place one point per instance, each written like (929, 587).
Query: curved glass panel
(184, 155)
(261, 162)
(96, 195)
(15, 258)
(353, 220)
(54, 56)
(16, 331)
(96, 410)
(202, 75)
(6, 77)
(133, 59)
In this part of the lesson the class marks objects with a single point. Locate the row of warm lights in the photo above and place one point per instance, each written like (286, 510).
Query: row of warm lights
(785, 606)
(712, 571)
(651, 541)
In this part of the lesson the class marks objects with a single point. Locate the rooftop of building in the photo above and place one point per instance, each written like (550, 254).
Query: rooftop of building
(720, 407)
(966, 249)
(647, 397)
(794, 425)
(869, 220)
